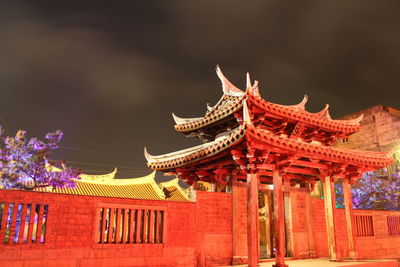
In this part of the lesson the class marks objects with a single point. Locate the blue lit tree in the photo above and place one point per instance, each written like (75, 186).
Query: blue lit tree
(24, 162)
(379, 190)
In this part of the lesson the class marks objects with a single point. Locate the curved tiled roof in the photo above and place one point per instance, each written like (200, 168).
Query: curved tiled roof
(232, 101)
(173, 191)
(349, 156)
(137, 188)
(225, 107)
(181, 158)
(321, 119)
(137, 191)
(186, 156)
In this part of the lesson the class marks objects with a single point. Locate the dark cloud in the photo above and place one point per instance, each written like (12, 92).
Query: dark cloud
(110, 74)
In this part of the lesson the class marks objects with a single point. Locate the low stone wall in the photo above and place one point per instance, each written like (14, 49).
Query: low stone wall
(209, 232)
(68, 229)
(377, 232)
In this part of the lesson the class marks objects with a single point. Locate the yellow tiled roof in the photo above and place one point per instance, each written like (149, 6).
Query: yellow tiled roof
(173, 191)
(107, 186)
(102, 177)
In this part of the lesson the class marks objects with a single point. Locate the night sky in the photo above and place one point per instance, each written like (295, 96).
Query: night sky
(109, 73)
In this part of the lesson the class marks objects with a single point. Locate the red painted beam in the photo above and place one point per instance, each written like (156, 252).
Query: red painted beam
(301, 171)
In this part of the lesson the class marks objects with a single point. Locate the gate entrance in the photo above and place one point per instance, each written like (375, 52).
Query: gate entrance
(266, 225)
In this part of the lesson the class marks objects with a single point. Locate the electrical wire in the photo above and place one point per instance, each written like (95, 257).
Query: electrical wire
(106, 165)
(92, 151)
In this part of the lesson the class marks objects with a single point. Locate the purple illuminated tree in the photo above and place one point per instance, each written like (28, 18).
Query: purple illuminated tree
(24, 162)
(379, 190)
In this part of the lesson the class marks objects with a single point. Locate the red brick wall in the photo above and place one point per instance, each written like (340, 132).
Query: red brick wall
(239, 220)
(196, 233)
(214, 231)
(381, 245)
(319, 233)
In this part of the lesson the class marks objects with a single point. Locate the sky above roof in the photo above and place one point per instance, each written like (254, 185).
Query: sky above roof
(109, 73)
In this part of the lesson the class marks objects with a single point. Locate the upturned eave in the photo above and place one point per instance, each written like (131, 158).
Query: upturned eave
(270, 142)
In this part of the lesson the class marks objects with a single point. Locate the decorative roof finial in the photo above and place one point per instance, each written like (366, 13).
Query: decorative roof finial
(248, 81)
(147, 155)
(357, 120)
(209, 108)
(324, 113)
(246, 115)
(256, 91)
(179, 120)
(176, 119)
(227, 87)
(302, 104)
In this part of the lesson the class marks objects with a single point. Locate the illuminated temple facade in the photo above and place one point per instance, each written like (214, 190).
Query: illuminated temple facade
(255, 187)
(268, 156)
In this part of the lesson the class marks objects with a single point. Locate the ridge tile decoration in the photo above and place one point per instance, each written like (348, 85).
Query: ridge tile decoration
(288, 136)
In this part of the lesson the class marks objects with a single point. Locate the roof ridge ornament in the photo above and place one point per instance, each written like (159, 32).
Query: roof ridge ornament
(97, 177)
(227, 87)
(301, 105)
(356, 120)
(303, 102)
(248, 81)
(328, 116)
(209, 108)
(147, 155)
(179, 120)
(256, 91)
(253, 89)
(246, 115)
(324, 113)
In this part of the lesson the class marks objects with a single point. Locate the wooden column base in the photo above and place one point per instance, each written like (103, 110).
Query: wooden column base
(280, 265)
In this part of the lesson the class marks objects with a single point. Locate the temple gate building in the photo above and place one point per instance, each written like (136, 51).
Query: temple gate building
(253, 182)
(276, 153)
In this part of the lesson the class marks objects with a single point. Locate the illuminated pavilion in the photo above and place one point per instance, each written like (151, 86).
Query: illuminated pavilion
(267, 145)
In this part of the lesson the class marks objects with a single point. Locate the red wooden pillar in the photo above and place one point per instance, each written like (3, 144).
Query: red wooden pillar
(279, 220)
(348, 208)
(330, 205)
(252, 219)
